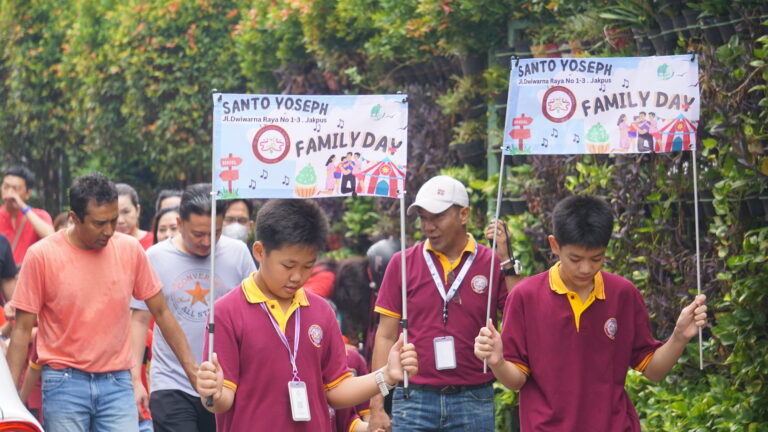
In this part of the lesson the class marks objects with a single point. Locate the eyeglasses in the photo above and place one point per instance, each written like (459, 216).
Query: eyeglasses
(241, 220)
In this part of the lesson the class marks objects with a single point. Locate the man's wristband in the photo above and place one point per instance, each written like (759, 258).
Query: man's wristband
(26, 209)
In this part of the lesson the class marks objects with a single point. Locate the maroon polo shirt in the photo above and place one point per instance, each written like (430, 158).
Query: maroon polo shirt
(576, 377)
(466, 312)
(256, 364)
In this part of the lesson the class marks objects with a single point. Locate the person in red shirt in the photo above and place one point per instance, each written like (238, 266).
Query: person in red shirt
(22, 224)
(279, 360)
(571, 333)
(130, 211)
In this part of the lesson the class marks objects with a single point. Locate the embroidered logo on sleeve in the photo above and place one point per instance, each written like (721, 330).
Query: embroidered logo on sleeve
(479, 284)
(611, 327)
(315, 335)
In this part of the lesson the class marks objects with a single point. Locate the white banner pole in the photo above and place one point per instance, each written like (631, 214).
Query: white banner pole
(698, 250)
(404, 320)
(493, 247)
(211, 297)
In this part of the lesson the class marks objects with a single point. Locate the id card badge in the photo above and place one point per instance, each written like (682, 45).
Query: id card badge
(297, 392)
(445, 354)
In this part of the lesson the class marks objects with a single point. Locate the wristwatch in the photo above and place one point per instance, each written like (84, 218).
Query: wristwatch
(516, 269)
(384, 388)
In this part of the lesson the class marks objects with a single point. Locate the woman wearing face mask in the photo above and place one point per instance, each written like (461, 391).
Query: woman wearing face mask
(128, 216)
(237, 220)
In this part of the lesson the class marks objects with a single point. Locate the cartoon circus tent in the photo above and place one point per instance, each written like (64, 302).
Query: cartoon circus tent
(678, 134)
(382, 178)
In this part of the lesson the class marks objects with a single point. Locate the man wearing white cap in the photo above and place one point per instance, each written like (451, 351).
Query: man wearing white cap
(447, 294)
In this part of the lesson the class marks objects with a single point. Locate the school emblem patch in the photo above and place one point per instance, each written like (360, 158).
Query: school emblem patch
(479, 284)
(315, 335)
(610, 327)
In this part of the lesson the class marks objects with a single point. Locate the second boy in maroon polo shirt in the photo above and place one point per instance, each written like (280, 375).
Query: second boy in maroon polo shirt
(571, 333)
(279, 357)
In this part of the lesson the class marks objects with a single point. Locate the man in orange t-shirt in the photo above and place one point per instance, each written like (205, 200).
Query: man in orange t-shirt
(78, 284)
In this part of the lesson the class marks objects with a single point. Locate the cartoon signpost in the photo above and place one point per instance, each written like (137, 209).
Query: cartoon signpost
(230, 174)
(521, 133)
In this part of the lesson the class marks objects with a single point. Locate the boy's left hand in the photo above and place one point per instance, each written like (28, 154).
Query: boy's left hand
(691, 318)
(401, 358)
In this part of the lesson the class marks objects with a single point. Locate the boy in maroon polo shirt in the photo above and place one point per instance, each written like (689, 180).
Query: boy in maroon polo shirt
(279, 356)
(570, 334)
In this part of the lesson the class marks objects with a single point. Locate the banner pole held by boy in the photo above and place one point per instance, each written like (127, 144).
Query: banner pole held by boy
(493, 246)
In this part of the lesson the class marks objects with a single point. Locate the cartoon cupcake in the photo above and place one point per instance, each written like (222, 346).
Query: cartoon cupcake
(305, 184)
(598, 140)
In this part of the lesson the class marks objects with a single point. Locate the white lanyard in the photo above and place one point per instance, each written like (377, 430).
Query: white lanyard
(439, 279)
(295, 353)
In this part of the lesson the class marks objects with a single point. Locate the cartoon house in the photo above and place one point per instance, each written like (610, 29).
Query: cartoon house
(383, 178)
(678, 134)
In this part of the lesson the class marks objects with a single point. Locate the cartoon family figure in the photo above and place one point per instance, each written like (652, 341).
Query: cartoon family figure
(344, 177)
(642, 135)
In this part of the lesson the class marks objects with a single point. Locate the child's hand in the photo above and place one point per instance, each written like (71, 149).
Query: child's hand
(210, 379)
(691, 318)
(488, 345)
(401, 358)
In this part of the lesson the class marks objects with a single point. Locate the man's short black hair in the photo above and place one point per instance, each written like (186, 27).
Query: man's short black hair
(94, 186)
(287, 222)
(583, 220)
(126, 189)
(166, 193)
(196, 199)
(248, 204)
(23, 172)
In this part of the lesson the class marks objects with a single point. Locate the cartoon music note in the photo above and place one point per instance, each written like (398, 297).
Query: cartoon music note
(544, 143)
(576, 139)
(286, 181)
(253, 184)
(264, 174)
(602, 87)
(554, 133)
(341, 124)
(625, 84)
(317, 127)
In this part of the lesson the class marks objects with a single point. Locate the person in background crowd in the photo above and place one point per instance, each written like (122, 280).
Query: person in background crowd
(130, 211)
(167, 198)
(61, 221)
(19, 222)
(8, 272)
(165, 224)
(77, 285)
(183, 264)
(237, 220)
(322, 278)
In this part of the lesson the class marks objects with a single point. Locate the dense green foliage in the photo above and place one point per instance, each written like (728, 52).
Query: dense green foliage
(124, 87)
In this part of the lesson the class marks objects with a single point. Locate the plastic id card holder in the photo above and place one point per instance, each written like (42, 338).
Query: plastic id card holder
(445, 353)
(297, 392)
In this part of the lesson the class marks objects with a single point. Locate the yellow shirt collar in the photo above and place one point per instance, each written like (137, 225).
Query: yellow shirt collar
(254, 295)
(445, 263)
(557, 285)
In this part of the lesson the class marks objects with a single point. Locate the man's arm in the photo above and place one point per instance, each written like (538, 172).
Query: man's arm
(41, 227)
(688, 323)
(502, 235)
(139, 326)
(20, 337)
(173, 335)
(386, 336)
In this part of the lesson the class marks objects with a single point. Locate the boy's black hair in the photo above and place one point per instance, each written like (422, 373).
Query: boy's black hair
(23, 172)
(166, 193)
(286, 222)
(94, 186)
(126, 189)
(248, 204)
(583, 220)
(196, 199)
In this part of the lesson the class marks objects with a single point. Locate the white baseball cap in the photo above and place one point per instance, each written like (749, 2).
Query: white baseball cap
(438, 194)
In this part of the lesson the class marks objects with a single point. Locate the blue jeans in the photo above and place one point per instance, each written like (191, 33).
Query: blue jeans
(77, 401)
(466, 411)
